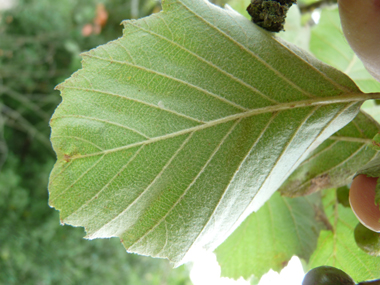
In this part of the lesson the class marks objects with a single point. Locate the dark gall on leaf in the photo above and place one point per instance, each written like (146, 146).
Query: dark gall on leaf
(271, 14)
(327, 275)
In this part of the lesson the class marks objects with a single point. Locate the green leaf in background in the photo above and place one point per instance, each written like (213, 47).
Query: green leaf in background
(338, 248)
(296, 33)
(170, 136)
(336, 160)
(240, 6)
(268, 239)
(328, 44)
(306, 2)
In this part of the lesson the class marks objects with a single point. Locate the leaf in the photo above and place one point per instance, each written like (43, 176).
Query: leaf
(305, 2)
(295, 32)
(338, 248)
(328, 44)
(171, 135)
(268, 239)
(334, 163)
(240, 6)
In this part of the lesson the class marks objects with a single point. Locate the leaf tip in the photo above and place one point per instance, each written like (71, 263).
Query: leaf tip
(59, 87)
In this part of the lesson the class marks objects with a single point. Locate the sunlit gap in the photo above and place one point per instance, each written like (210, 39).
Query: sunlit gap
(206, 270)
(316, 15)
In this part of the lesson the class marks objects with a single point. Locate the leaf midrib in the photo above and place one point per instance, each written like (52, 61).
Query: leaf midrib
(193, 181)
(345, 98)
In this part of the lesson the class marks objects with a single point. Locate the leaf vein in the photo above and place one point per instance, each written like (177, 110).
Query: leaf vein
(351, 139)
(295, 224)
(155, 72)
(78, 179)
(318, 153)
(280, 107)
(216, 206)
(321, 132)
(138, 101)
(294, 135)
(154, 180)
(230, 75)
(191, 183)
(80, 139)
(334, 167)
(103, 121)
(126, 50)
(109, 182)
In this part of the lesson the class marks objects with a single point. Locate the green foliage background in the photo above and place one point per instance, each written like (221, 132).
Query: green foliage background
(40, 42)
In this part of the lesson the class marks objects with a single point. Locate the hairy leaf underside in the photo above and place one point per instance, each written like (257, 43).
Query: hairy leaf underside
(335, 162)
(170, 136)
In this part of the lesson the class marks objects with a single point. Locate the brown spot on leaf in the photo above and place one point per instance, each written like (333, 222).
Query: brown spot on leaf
(375, 143)
(319, 183)
(66, 157)
(290, 189)
(376, 4)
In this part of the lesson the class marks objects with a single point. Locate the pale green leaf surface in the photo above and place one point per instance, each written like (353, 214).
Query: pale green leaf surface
(306, 1)
(267, 239)
(371, 108)
(335, 162)
(170, 136)
(338, 248)
(328, 44)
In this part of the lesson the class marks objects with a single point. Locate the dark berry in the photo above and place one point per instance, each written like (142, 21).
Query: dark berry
(327, 275)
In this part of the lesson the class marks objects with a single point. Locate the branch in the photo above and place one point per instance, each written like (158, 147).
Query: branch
(319, 4)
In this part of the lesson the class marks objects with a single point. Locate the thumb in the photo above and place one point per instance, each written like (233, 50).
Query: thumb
(361, 27)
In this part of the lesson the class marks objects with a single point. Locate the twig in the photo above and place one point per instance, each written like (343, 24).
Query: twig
(25, 125)
(319, 4)
(26, 102)
(3, 144)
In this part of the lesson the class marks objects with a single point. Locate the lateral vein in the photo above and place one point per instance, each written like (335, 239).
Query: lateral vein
(354, 97)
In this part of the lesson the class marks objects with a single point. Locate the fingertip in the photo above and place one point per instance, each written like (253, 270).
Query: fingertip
(361, 27)
(362, 201)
